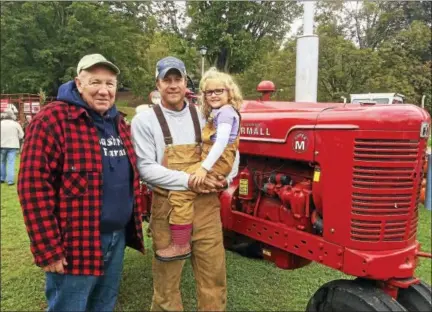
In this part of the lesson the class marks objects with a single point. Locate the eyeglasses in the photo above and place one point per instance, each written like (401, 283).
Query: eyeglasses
(215, 91)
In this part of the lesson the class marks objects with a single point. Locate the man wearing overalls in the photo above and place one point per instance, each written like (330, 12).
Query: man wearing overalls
(167, 140)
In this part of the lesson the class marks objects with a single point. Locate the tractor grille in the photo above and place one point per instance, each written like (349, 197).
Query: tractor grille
(415, 215)
(383, 184)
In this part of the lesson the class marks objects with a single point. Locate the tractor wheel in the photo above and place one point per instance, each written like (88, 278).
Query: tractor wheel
(347, 295)
(416, 297)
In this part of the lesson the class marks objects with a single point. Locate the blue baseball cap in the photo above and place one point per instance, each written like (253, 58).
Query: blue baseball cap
(168, 63)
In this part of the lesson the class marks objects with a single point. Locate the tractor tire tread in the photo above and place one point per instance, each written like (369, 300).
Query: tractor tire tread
(347, 295)
(417, 297)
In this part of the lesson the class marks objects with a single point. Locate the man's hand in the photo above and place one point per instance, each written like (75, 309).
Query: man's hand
(56, 267)
(211, 184)
(214, 184)
(197, 188)
(220, 183)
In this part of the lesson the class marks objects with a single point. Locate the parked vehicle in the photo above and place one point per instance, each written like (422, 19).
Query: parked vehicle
(379, 98)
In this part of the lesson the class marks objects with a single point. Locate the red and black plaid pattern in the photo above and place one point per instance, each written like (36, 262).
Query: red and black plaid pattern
(60, 189)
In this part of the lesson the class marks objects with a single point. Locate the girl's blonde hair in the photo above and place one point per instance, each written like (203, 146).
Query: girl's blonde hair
(235, 97)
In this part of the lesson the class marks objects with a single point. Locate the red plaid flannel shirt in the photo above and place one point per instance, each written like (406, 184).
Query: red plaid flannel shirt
(60, 189)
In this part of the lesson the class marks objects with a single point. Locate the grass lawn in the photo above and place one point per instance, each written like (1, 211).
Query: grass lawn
(253, 285)
(124, 108)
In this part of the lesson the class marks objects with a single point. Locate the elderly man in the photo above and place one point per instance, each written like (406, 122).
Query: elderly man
(167, 140)
(79, 190)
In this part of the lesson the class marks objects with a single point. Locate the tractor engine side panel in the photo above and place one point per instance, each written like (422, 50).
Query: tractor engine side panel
(281, 191)
(333, 156)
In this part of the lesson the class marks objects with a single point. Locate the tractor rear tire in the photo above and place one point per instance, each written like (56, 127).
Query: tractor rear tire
(416, 297)
(348, 295)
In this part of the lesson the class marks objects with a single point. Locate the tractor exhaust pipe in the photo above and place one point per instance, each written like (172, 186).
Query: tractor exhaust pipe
(307, 58)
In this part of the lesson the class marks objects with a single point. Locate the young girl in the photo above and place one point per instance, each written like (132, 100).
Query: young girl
(220, 102)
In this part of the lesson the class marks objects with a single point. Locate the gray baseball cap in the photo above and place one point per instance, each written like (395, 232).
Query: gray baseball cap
(92, 59)
(168, 63)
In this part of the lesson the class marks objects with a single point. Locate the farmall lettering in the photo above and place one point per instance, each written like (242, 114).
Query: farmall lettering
(254, 129)
(300, 143)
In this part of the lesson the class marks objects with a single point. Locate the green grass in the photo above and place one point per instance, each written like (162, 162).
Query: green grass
(123, 106)
(121, 103)
(129, 111)
(253, 285)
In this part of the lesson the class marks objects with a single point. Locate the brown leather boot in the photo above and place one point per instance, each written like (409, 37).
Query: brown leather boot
(180, 247)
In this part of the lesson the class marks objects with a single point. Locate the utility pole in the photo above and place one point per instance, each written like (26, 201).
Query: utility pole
(307, 58)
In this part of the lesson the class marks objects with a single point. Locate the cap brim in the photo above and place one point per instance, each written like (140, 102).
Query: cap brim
(106, 63)
(166, 70)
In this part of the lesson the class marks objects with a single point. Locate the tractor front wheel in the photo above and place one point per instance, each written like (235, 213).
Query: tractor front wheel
(348, 295)
(416, 297)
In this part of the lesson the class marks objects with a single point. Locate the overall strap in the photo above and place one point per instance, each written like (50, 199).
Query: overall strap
(164, 125)
(196, 123)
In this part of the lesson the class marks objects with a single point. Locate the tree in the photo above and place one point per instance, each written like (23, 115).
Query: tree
(370, 23)
(164, 44)
(277, 66)
(417, 11)
(234, 30)
(163, 16)
(393, 51)
(343, 68)
(42, 42)
(172, 16)
(406, 64)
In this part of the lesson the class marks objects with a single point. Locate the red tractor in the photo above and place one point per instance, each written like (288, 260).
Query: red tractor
(338, 184)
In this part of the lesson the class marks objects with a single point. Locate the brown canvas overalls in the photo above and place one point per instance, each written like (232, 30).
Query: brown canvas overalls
(182, 201)
(208, 253)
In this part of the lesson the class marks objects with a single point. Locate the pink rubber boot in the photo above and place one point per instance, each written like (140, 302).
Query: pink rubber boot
(180, 247)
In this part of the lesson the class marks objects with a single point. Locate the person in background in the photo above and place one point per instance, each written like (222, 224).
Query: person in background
(79, 190)
(11, 134)
(27, 121)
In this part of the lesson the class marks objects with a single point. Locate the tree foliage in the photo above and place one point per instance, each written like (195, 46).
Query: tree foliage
(41, 42)
(234, 30)
(370, 23)
(365, 46)
(343, 68)
(274, 65)
(165, 44)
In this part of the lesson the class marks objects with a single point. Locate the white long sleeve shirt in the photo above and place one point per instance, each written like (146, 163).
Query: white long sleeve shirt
(11, 133)
(149, 146)
(222, 137)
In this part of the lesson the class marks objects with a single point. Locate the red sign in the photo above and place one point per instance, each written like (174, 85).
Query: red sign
(31, 107)
(4, 103)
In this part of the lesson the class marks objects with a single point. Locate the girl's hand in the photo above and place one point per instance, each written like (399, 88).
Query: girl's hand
(199, 176)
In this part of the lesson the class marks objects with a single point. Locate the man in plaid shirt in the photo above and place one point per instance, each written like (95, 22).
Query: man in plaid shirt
(79, 190)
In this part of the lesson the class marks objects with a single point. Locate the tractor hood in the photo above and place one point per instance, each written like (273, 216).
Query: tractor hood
(266, 125)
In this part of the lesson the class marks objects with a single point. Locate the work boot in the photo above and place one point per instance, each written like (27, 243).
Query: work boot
(180, 247)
